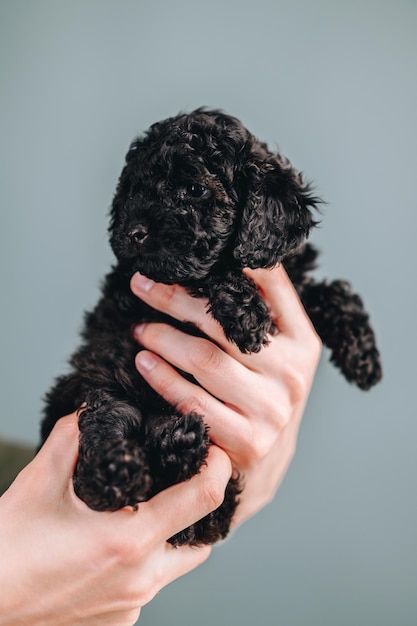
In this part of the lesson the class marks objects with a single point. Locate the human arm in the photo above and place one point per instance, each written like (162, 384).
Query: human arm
(63, 564)
(253, 403)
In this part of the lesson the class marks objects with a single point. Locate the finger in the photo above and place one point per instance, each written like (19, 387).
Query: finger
(176, 562)
(245, 429)
(282, 298)
(228, 428)
(59, 453)
(181, 505)
(178, 303)
(184, 559)
(213, 368)
(163, 564)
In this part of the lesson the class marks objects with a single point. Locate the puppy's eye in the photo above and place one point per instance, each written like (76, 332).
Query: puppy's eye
(197, 191)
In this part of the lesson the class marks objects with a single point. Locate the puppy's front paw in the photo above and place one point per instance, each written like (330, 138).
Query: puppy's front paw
(358, 357)
(244, 316)
(253, 330)
(248, 326)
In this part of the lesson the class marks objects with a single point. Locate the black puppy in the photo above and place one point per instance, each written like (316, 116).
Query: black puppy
(199, 199)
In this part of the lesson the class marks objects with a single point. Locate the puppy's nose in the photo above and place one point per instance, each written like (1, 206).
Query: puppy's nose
(138, 234)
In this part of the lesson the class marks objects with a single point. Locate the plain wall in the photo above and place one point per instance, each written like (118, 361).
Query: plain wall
(333, 84)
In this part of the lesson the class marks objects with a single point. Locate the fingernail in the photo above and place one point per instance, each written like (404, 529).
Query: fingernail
(142, 283)
(145, 361)
(137, 331)
(81, 408)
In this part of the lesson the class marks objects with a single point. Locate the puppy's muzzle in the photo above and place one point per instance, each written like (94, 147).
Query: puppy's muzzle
(138, 234)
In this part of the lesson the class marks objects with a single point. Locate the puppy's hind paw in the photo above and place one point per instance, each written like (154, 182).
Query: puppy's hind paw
(115, 476)
(178, 447)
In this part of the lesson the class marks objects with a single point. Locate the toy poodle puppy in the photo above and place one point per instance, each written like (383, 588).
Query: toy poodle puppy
(199, 199)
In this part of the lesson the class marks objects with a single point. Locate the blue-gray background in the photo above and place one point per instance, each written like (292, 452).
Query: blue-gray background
(333, 84)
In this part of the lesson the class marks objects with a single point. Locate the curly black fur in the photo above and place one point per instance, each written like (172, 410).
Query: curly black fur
(199, 198)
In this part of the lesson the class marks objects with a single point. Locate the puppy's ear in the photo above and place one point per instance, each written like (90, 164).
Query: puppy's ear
(277, 210)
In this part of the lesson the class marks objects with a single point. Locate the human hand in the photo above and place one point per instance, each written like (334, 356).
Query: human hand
(253, 403)
(63, 564)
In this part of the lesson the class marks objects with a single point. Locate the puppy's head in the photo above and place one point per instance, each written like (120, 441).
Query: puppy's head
(198, 191)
